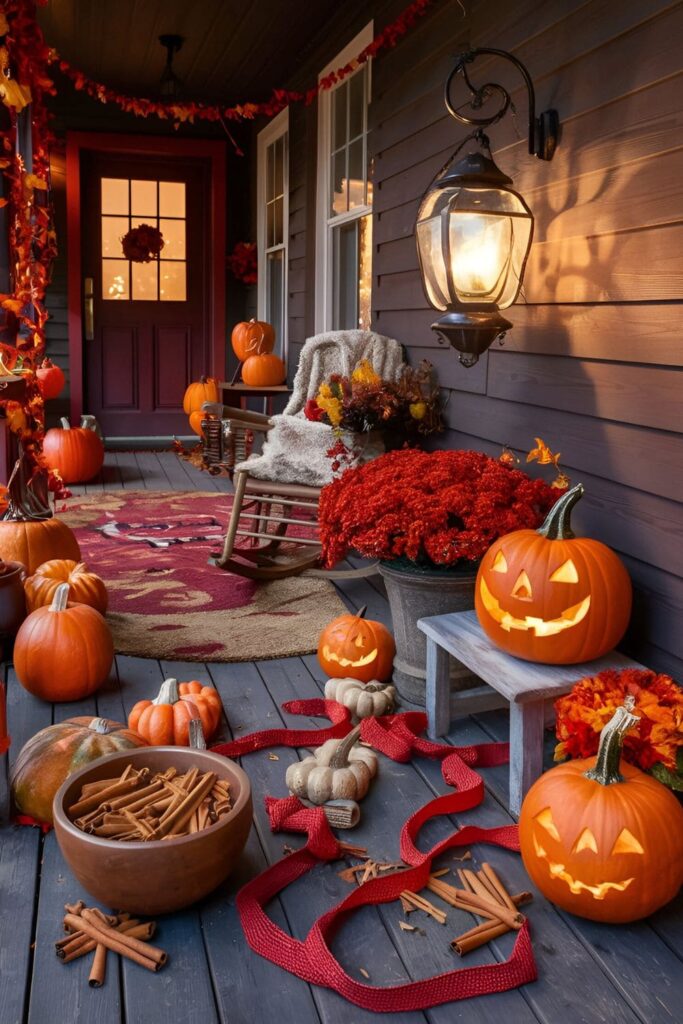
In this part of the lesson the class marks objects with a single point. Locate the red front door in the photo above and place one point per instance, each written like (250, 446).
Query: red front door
(146, 330)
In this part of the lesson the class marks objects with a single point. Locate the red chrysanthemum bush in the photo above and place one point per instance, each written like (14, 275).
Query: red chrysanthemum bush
(433, 508)
(654, 744)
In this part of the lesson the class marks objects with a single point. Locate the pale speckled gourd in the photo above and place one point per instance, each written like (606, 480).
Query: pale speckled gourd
(338, 770)
(362, 700)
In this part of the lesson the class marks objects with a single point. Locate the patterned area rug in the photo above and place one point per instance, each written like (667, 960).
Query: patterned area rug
(165, 600)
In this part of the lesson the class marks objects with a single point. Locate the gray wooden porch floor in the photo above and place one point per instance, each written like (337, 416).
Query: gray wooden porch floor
(588, 973)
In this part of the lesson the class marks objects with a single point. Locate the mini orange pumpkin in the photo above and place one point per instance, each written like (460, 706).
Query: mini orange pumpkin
(252, 338)
(546, 595)
(602, 839)
(63, 652)
(357, 648)
(77, 454)
(51, 379)
(203, 390)
(263, 371)
(196, 421)
(56, 752)
(165, 721)
(86, 587)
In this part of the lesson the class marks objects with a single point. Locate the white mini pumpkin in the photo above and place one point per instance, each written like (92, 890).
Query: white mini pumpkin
(363, 700)
(338, 770)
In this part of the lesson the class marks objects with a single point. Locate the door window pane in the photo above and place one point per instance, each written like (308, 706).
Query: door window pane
(145, 281)
(356, 178)
(339, 189)
(115, 279)
(115, 195)
(173, 232)
(143, 198)
(339, 108)
(345, 296)
(172, 281)
(357, 105)
(113, 230)
(275, 291)
(172, 198)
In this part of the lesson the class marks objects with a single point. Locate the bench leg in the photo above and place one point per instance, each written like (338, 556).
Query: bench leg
(526, 750)
(438, 690)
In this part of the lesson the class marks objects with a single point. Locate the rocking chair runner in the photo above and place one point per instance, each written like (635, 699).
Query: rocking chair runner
(279, 519)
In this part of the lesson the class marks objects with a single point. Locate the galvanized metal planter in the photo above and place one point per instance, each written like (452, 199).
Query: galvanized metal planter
(414, 594)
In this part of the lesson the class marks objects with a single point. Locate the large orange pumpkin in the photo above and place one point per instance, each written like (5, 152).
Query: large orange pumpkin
(357, 648)
(33, 542)
(600, 838)
(203, 390)
(263, 371)
(51, 379)
(546, 595)
(56, 752)
(165, 721)
(63, 652)
(86, 587)
(252, 338)
(76, 453)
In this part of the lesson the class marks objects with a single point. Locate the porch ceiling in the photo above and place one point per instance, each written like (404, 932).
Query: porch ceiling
(233, 51)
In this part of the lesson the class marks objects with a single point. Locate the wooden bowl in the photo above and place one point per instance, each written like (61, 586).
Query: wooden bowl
(163, 875)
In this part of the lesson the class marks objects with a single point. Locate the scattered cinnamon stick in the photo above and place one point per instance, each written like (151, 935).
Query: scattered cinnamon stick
(98, 970)
(484, 895)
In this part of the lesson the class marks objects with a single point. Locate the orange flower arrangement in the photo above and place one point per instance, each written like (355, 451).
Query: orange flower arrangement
(655, 744)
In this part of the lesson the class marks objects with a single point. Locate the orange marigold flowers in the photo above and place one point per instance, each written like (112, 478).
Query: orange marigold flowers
(653, 744)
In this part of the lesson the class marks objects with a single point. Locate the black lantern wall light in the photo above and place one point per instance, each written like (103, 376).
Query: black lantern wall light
(473, 231)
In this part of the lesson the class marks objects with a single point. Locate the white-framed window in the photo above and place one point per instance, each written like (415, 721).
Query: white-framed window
(272, 184)
(344, 197)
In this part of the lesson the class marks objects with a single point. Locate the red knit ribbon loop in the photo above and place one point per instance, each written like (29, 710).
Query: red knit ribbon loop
(312, 960)
(316, 707)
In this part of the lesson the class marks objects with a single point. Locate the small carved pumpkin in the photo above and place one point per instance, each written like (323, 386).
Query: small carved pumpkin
(203, 390)
(356, 647)
(165, 721)
(76, 453)
(63, 653)
(252, 338)
(362, 700)
(264, 371)
(55, 752)
(338, 770)
(86, 587)
(602, 839)
(546, 595)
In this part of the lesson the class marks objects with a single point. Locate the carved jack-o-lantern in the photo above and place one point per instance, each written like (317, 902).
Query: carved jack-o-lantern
(602, 839)
(356, 647)
(546, 595)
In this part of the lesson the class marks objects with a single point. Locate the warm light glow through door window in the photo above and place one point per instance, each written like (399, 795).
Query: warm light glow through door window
(128, 203)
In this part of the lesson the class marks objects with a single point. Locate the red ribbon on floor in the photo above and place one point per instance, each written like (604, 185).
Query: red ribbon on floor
(397, 736)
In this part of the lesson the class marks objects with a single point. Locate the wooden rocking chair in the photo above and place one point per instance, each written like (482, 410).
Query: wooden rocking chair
(278, 521)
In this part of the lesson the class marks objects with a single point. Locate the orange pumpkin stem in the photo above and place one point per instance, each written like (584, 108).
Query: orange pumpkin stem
(606, 767)
(169, 692)
(557, 525)
(61, 598)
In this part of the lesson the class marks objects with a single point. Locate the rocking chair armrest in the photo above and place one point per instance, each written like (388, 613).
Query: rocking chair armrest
(260, 426)
(228, 412)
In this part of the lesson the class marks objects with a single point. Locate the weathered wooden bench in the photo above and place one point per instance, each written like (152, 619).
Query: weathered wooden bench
(524, 685)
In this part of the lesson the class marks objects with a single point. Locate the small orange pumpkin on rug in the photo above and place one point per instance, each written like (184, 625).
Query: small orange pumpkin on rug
(86, 587)
(165, 721)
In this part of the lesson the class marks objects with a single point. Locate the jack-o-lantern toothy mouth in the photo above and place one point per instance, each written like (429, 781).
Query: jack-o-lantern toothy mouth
(348, 662)
(598, 892)
(540, 627)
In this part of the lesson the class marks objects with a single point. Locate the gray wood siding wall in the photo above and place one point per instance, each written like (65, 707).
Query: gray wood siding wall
(593, 363)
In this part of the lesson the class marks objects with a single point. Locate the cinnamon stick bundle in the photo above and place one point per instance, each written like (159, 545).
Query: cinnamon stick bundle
(485, 895)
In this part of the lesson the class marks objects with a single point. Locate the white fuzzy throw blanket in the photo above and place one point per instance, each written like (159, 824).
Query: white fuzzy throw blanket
(295, 450)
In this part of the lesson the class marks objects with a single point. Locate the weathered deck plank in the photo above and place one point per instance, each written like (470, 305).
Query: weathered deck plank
(587, 972)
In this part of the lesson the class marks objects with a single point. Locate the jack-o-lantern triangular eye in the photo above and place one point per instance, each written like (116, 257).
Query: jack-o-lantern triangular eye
(586, 841)
(522, 588)
(359, 640)
(626, 842)
(499, 563)
(565, 573)
(545, 820)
